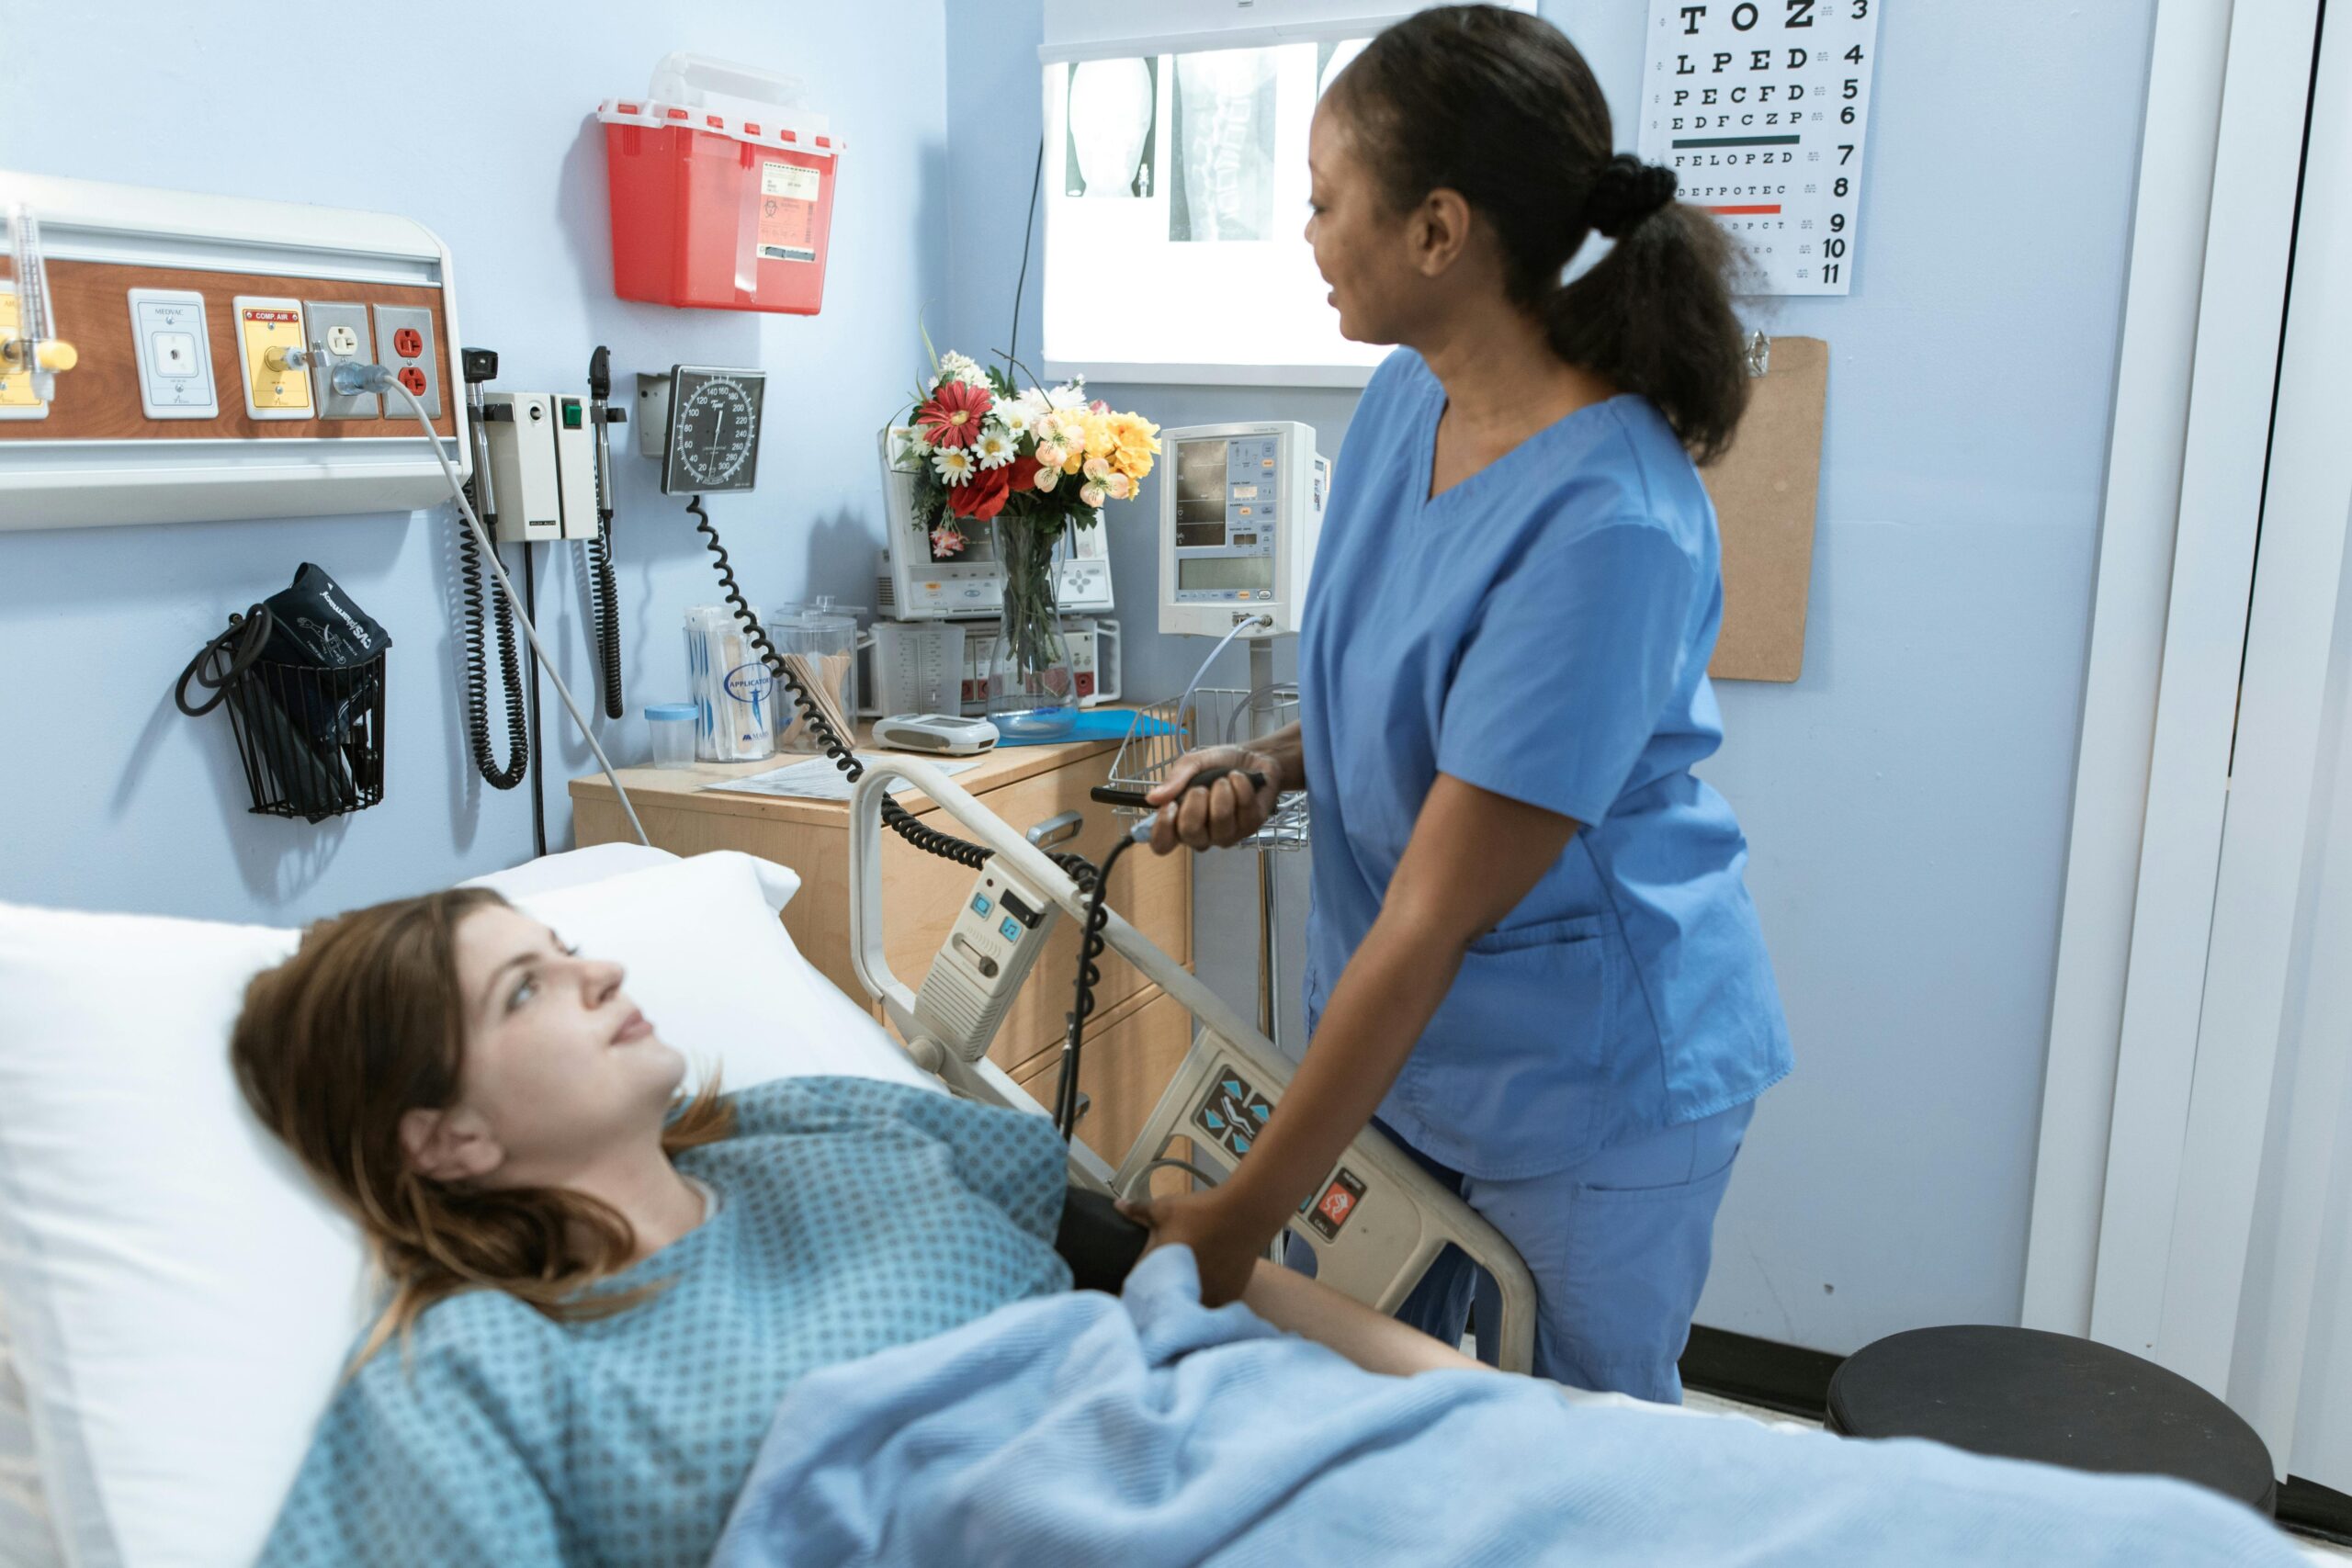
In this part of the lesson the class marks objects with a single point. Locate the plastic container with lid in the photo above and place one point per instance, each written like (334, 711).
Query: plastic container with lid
(721, 181)
(734, 694)
(671, 724)
(819, 643)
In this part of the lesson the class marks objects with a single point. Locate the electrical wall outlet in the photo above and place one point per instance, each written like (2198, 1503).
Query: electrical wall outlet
(341, 330)
(405, 338)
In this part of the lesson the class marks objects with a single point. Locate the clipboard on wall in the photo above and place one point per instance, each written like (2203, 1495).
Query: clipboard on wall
(1765, 490)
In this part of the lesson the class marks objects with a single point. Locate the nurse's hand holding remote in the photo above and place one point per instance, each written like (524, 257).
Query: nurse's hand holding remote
(1227, 810)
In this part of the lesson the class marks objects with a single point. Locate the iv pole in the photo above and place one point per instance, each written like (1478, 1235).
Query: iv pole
(1261, 711)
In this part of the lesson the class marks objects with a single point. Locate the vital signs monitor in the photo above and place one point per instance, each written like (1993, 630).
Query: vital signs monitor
(1240, 508)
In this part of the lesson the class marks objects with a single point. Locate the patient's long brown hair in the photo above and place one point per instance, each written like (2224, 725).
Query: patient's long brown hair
(365, 1023)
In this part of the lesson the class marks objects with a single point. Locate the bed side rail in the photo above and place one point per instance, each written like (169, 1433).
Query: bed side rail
(1377, 1222)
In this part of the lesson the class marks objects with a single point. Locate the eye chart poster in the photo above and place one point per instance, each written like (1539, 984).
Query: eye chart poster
(1760, 106)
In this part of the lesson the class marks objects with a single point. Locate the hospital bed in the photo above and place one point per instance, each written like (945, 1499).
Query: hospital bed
(177, 1301)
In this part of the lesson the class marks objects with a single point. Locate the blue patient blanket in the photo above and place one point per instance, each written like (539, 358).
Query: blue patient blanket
(853, 1215)
(1146, 1432)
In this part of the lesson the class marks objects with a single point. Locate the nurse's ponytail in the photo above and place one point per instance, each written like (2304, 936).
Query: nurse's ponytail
(1500, 107)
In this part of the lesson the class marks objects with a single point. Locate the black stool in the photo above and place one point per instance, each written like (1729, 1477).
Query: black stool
(2022, 1393)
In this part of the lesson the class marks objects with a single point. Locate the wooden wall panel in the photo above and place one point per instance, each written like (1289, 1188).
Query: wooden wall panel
(98, 398)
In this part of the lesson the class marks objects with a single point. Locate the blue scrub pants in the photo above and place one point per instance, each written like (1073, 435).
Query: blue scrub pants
(1618, 1246)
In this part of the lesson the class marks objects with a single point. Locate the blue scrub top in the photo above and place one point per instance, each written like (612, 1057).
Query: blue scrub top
(1541, 630)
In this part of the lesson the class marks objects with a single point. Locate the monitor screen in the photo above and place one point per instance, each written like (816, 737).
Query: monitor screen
(1226, 572)
(1201, 468)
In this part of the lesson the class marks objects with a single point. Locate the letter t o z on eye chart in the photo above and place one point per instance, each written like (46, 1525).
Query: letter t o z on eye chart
(1759, 107)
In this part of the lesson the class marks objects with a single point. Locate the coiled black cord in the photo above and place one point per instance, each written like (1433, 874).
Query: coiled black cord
(898, 817)
(480, 602)
(1090, 974)
(607, 607)
(1092, 883)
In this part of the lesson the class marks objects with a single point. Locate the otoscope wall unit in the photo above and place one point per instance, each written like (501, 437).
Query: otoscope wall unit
(167, 358)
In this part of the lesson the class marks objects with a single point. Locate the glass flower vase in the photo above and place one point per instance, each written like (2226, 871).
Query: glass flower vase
(1031, 687)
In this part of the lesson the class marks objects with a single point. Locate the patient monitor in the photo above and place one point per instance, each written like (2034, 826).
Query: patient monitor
(1240, 509)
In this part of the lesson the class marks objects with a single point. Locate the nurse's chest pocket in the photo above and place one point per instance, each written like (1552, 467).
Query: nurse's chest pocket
(1520, 1043)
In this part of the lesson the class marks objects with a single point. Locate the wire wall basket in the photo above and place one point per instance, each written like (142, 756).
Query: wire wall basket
(310, 739)
(1211, 715)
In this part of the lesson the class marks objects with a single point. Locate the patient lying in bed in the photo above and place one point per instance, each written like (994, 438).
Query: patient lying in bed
(827, 1316)
(598, 1294)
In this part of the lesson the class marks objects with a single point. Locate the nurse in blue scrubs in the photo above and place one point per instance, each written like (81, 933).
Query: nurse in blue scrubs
(1530, 956)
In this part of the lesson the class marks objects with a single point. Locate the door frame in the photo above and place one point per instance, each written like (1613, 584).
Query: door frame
(2212, 246)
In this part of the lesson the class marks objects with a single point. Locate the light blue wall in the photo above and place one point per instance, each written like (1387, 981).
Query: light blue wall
(1908, 799)
(112, 799)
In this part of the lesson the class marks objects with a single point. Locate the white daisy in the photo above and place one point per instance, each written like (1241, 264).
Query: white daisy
(953, 463)
(1016, 416)
(994, 449)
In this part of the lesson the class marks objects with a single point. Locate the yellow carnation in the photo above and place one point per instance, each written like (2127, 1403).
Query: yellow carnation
(1102, 440)
(1138, 441)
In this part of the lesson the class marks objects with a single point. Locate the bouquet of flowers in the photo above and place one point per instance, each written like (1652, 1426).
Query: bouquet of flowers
(1045, 458)
(1032, 464)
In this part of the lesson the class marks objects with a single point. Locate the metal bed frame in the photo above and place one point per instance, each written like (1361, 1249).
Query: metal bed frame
(1379, 1220)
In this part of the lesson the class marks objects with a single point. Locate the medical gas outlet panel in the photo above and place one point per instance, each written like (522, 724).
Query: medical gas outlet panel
(1240, 511)
(188, 351)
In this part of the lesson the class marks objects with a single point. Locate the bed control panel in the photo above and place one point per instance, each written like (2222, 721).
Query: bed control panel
(1230, 1117)
(1371, 1223)
(989, 952)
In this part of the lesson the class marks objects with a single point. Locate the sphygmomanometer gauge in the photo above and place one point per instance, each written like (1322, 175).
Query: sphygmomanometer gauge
(714, 436)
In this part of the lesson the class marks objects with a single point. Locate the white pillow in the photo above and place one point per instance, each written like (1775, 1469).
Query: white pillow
(718, 980)
(576, 868)
(25, 1538)
(179, 1296)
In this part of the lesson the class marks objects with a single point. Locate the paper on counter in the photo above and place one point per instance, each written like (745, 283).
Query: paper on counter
(820, 778)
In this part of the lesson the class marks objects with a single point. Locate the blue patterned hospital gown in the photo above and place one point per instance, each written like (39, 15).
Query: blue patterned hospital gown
(853, 1215)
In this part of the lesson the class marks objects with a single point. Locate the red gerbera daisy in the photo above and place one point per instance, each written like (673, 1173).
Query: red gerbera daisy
(953, 417)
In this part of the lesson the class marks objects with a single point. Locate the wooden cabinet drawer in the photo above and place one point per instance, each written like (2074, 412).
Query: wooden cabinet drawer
(1129, 1058)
